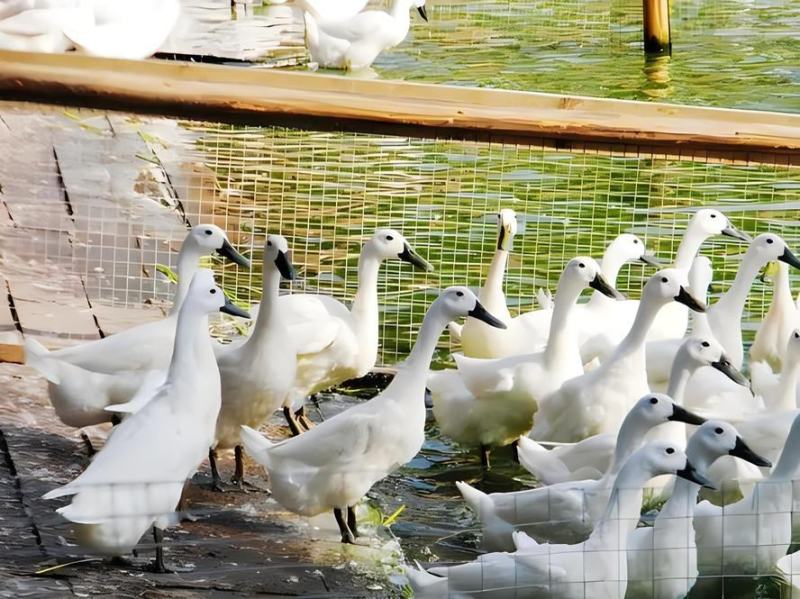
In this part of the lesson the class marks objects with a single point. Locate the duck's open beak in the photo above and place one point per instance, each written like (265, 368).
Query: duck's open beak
(483, 314)
(725, 367)
(732, 231)
(680, 414)
(599, 282)
(505, 239)
(651, 260)
(741, 450)
(691, 474)
(284, 264)
(233, 309)
(412, 257)
(790, 259)
(422, 12)
(229, 252)
(687, 299)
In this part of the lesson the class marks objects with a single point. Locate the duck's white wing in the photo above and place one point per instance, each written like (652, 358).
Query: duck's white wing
(315, 335)
(485, 377)
(363, 25)
(587, 459)
(151, 383)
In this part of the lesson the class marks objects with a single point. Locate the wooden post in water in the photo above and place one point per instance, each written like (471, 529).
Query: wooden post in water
(657, 38)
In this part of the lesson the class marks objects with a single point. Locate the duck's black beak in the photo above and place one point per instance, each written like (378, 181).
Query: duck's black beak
(788, 257)
(732, 231)
(651, 260)
(483, 314)
(725, 367)
(741, 450)
(599, 282)
(284, 264)
(687, 299)
(229, 252)
(412, 257)
(233, 309)
(422, 12)
(691, 474)
(680, 414)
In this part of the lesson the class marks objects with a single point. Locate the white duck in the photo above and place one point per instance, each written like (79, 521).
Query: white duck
(592, 456)
(38, 25)
(334, 343)
(477, 339)
(332, 466)
(533, 327)
(257, 375)
(489, 403)
(355, 43)
(595, 568)
(725, 316)
(136, 480)
(750, 536)
(779, 322)
(125, 29)
(330, 10)
(662, 559)
(596, 402)
(566, 512)
(149, 346)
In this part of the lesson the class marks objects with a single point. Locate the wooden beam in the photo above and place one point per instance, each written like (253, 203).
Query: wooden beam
(320, 102)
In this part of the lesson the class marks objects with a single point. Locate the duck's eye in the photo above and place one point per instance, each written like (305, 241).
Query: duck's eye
(460, 293)
(770, 240)
(212, 291)
(269, 243)
(664, 280)
(635, 241)
(654, 400)
(581, 265)
(706, 344)
(713, 215)
(796, 335)
(209, 231)
(389, 238)
(670, 450)
(719, 430)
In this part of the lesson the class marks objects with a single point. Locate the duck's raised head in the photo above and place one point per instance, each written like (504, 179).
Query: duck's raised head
(455, 302)
(671, 284)
(586, 272)
(387, 244)
(206, 296)
(712, 222)
(506, 228)
(210, 238)
(629, 248)
(695, 352)
(768, 247)
(662, 457)
(657, 408)
(716, 438)
(276, 251)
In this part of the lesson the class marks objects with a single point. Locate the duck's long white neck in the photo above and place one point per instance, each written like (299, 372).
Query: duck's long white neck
(622, 512)
(400, 13)
(787, 387)
(629, 438)
(612, 262)
(562, 344)
(682, 370)
(690, 245)
(786, 468)
(731, 305)
(491, 295)
(268, 313)
(414, 371)
(188, 259)
(634, 340)
(193, 349)
(365, 304)
(684, 494)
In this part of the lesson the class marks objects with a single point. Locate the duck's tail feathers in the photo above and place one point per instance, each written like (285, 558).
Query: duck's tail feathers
(455, 330)
(475, 498)
(62, 491)
(544, 298)
(424, 584)
(38, 356)
(522, 541)
(540, 462)
(256, 445)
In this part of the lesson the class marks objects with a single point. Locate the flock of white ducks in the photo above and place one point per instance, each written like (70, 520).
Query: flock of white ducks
(177, 396)
(340, 34)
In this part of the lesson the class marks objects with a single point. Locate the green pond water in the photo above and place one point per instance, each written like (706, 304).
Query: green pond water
(327, 191)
